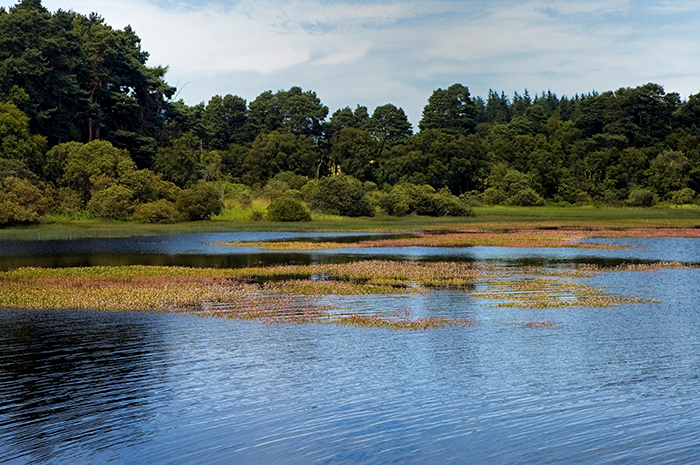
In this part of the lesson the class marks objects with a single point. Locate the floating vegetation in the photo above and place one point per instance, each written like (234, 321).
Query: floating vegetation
(376, 321)
(492, 235)
(295, 293)
(530, 238)
(532, 324)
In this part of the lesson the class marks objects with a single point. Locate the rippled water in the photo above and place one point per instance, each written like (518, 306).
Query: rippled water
(613, 385)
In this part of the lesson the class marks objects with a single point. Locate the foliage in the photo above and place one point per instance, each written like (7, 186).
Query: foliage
(683, 196)
(341, 195)
(199, 202)
(182, 162)
(160, 211)
(20, 201)
(641, 198)
(277, 152)
(79, 88)
(113, 202)
(77, 166)
(78, 79)
(451, 110)
(293, 111)
(16, 142)
(287, 208)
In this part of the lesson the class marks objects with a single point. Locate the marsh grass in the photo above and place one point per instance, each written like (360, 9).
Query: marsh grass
(290, 293)
(521, 238)
(417, 324)
(532, 324)
(498, 218)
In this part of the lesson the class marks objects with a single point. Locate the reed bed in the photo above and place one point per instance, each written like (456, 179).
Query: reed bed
(541, 235)
(418, 324)
(532, 324)
(529, 238)
(291, 293)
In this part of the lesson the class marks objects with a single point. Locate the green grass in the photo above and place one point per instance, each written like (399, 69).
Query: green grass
(233, 220)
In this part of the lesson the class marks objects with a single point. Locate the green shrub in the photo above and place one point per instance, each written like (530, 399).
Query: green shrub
(526, 197)
(288, 208)
(380, 201)
(492, 196)
(683, 196)
(160, 211)
(407, 198)
(274, 190)
(291, 180)
(641, 198)
(113, 202)
(447, 204)
(199, 202)
(68, 200)
(309, 190)
(341, 195)
(20, 201)
(256, 215)
(17, 169)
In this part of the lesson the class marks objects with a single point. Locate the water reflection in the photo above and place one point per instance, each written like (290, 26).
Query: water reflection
(74, 380)
(199, 250)
(616, 385)
(613, 385)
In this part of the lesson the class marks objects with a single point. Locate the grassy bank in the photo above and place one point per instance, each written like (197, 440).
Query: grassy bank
(488, 218)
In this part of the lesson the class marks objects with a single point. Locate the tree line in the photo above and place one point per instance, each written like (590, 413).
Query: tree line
(85, 121)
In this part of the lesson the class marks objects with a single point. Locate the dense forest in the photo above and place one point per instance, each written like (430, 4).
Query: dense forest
(87, 126)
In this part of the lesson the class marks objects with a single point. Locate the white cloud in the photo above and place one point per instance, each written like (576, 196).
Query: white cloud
(399, 51)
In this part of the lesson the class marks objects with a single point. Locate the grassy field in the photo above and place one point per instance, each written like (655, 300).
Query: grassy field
(487, 218)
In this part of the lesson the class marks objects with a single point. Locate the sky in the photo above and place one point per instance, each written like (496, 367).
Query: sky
(373, 52)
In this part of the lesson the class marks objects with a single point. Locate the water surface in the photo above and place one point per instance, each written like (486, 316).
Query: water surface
(613, 385)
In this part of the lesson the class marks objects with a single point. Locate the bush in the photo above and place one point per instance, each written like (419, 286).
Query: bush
(69, 201)
(288, 208)
(199, 202)
(256, 215)
(341, 195)
(683, 196)
(113, 202)
(20, 201)
(526, 198)
(160, 211)
(309, 190)
(291, 180)
(447, 204)
(407, 198)
(492, 196)
(641, 198)
(380, 201)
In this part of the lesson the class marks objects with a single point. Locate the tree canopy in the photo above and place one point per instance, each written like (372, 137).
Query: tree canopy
(84, 116)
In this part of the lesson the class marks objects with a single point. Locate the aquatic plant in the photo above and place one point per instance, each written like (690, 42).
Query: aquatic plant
(287, 293)
(529, 238)
(377, 321)
(532, 324)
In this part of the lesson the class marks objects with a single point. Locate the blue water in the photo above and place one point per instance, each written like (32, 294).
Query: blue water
(612, 385)
(201, 250)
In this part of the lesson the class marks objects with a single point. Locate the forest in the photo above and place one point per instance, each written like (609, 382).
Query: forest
(88, 128)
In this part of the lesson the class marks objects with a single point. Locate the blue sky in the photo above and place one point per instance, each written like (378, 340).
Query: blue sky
(372, 52)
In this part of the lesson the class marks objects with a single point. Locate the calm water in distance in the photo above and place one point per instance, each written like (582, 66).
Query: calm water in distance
(615, 385)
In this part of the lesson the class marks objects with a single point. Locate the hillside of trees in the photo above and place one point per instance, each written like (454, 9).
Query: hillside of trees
(87, 125)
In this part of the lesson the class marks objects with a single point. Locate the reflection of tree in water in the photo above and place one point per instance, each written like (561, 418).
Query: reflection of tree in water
(63, 386)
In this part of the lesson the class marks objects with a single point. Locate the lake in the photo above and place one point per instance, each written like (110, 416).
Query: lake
(608, 385)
